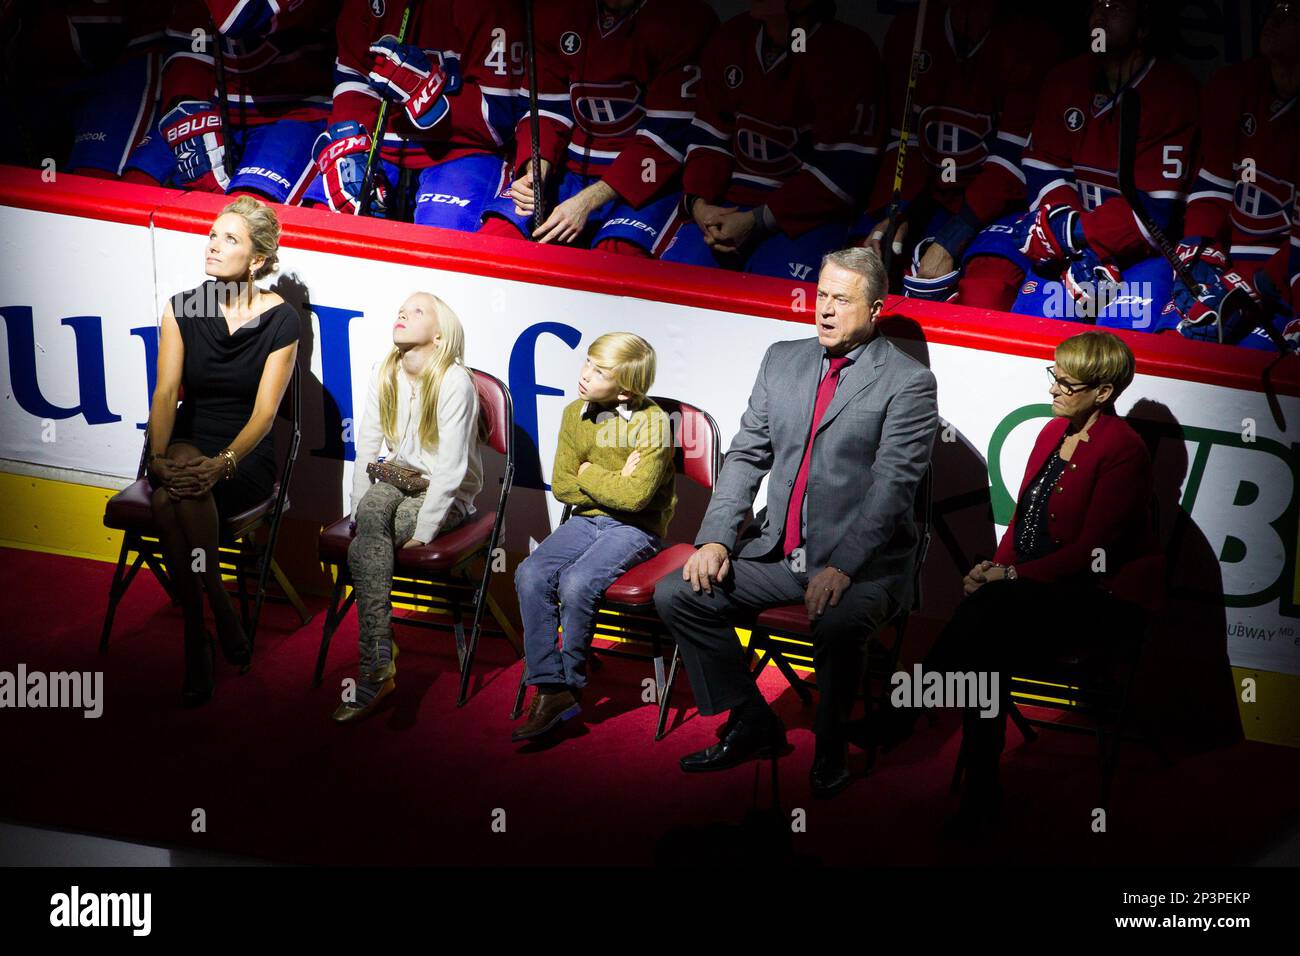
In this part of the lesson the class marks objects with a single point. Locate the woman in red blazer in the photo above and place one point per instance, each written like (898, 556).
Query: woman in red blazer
(1083, 516)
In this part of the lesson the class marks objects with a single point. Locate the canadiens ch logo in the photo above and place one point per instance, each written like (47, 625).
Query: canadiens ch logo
(570, 43)
(734, 76)
(1029, 288)
(1248, 125)
(1074, 119)
(377, 7)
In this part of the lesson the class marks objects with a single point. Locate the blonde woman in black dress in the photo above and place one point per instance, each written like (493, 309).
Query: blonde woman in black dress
(230, 347)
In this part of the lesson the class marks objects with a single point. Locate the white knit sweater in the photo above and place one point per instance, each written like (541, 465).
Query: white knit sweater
(454, 468)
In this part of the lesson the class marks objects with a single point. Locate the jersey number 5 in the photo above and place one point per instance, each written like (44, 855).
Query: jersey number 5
(1172, 161)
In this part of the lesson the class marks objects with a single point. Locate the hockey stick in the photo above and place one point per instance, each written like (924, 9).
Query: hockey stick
(223, 98)
(534, 121)
(368, 178)
(1130, 118)
(905, 131)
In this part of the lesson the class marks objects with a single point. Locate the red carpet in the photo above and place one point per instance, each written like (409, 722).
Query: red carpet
(422, 781)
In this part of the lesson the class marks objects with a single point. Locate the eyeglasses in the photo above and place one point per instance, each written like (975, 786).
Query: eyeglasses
(1069, 388)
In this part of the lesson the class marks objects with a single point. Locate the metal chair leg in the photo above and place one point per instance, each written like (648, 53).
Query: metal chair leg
(800, 687)
(245, 619)
(661, 727)
(458, 628)
(480, 602)
(114, 595)
(519, 694)
(333, 617)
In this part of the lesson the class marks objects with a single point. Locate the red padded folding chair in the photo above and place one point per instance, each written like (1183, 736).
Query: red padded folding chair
(130, 512)
(631, 597)
(437, 576)
(783, 632)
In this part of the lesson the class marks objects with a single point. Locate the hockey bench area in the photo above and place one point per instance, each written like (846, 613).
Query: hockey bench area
(88, 264)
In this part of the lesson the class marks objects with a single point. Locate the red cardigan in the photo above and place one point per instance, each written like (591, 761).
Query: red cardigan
(1102, 500)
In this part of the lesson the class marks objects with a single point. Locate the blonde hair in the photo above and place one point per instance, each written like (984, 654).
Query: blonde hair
(451, 351)
(630, 360)
(263, 231)
(1097, 356)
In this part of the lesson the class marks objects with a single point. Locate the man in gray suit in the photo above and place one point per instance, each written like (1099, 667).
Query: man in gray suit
(843, 425)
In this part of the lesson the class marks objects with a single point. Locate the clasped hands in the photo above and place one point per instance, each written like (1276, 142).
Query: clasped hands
(192, 478)
(711, 563)
(726, 229)
(982, 574)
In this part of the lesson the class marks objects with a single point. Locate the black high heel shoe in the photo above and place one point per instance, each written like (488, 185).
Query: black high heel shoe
(200, 670)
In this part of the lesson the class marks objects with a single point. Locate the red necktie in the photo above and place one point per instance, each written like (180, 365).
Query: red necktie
(794, 514)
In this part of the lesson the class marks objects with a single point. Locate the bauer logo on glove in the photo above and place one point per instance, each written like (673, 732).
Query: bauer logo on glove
(194, 131)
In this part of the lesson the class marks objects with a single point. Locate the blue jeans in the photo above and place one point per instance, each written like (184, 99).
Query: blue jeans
(560, 584)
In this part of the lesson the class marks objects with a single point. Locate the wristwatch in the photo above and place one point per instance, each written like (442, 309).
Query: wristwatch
(1011, 572)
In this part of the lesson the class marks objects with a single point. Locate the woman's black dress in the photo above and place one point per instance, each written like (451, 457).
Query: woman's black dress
(220, 377)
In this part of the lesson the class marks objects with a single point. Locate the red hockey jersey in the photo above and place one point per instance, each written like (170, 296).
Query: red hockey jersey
(616, 91)
(1245, 186)
(974, 107)
(279, 57)
(483, 42)
(1073, 153)
(800, 135)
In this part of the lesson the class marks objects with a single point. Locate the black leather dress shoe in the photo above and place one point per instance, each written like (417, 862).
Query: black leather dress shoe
(830, 770)
(748, 738)
(726, 726)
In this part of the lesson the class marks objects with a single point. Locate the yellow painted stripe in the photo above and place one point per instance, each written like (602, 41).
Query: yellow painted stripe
(56, 517)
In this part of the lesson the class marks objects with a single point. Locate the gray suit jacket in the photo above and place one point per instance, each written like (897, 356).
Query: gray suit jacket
(872, 447)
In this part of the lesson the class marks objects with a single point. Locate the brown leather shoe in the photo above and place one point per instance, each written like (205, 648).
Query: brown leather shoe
(546, 712)
(346, 712)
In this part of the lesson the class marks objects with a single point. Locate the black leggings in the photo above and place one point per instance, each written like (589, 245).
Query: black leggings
(1007, 627)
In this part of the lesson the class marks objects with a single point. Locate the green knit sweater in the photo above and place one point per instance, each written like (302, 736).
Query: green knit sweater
(646, 498)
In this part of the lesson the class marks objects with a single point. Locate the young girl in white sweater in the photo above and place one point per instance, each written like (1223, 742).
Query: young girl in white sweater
(421, 409)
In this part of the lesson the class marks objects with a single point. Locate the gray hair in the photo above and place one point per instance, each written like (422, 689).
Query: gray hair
(866, 263)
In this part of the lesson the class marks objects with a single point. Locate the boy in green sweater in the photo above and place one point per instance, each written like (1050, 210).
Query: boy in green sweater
(614, 467)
